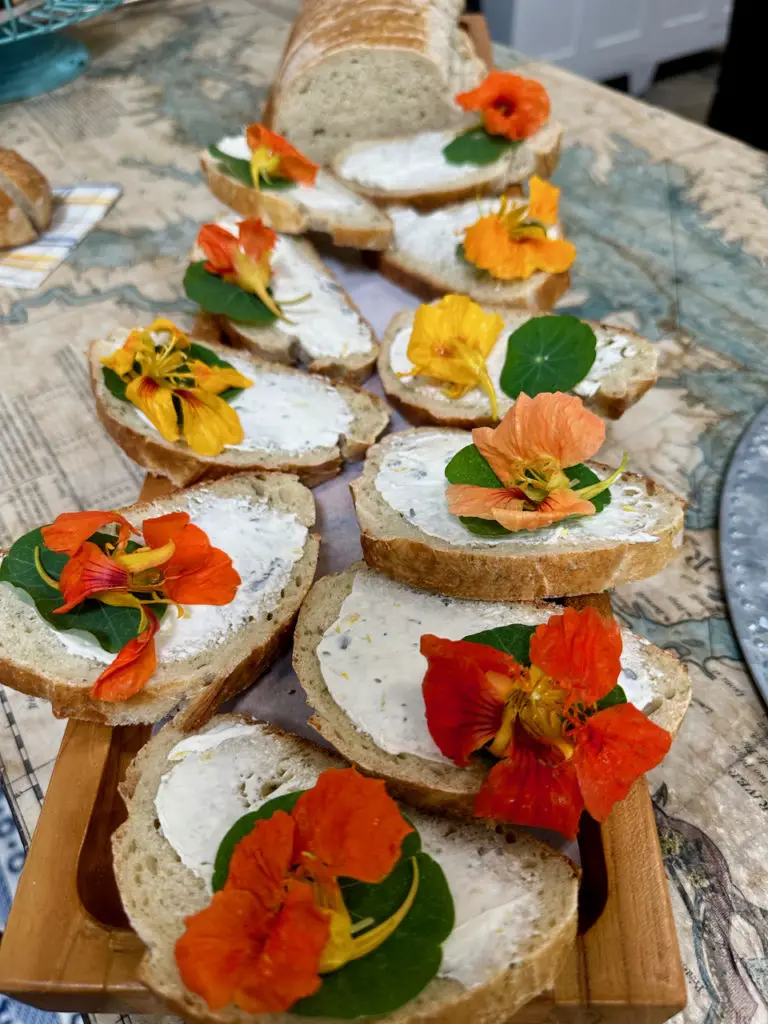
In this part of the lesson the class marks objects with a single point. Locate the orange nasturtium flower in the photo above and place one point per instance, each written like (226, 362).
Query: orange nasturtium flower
(513, 243)
(272, 155)
(243, 259)
(279, 921)
(177, 564)
(511, 105)
(538, 439)
(160, 376)
(451, 341)
(558, 753)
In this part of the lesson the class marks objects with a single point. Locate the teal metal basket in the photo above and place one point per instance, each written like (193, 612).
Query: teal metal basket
(35, 56)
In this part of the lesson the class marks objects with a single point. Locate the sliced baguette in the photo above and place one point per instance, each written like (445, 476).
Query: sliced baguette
(341, 629)
(424, 259)
(344, 350)
(625, 367)
(634, 538)
(419, 176)
(245, 636)
(361, 416)
(519, 958)
(327, 206)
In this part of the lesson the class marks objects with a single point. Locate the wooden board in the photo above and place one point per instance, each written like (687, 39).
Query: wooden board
(68, 946)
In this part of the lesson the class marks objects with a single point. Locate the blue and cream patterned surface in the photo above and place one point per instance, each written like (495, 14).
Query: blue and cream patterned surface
(671, 224)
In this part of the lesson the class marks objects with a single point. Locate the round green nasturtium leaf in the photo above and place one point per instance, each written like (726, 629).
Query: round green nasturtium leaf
(215, 295)
(114, 383)
(514, 640)
(476, 146)
(548, 353)
(582, 476)
(396, 972)
(111, 627)
(614, 696)
(276, 184)
(234, 166)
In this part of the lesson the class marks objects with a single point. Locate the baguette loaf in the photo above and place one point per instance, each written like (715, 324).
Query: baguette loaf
(327, 333)
(293, 423)
(625, 368)
(327, 206)
(263, 522)
(515, 898)
(355, 70)
(424, 259)
(411, 169)
(26, 203)
(356, 653)
(408, 533)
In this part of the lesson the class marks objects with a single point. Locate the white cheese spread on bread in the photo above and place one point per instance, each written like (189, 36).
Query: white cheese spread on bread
(370, 660)
(411, 479)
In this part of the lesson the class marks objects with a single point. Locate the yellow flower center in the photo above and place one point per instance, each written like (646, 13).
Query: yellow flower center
(263, 162)
(514, 217)
(344, 943)
(539, 707)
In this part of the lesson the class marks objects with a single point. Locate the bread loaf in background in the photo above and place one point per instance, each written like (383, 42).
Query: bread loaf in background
(26, 203)
(365, 69)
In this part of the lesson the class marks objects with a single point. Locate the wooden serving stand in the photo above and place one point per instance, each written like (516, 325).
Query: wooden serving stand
(68, 945)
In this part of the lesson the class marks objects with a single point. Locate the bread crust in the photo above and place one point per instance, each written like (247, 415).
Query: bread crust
(26, 202)
(279, 213)
(423, 411)
(69, 700)
(485, 575)
(183, 467)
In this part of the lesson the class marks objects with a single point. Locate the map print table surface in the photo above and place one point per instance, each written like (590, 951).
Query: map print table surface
(671, 225)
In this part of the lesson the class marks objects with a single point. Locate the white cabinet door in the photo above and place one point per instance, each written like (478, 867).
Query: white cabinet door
(678, 27)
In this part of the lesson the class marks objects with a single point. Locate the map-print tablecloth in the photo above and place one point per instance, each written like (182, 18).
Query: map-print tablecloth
(671, 225)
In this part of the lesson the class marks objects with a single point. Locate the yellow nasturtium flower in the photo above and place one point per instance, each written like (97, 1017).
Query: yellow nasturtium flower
(451, 341)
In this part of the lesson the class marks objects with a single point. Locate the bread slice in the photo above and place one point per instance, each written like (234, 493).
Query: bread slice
(356, 653)
(625, 367)
(408, 533)
(355, 70)
(327, 206)
(412, 169)
(293, 423)
(263, 521)
(424, 259)
(326, 333)
(515, 898)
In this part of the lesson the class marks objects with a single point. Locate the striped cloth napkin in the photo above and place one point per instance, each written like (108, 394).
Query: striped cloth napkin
(76, 210)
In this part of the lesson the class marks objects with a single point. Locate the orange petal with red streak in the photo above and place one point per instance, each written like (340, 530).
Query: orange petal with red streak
(132, 667)
(350, 826)
(529, 787)
(513, 106)
(69, 530)
(89, 571)
(219, 247)
(581, 651)
(559, 505)
(464, 708)
(482, 502)
(613, 749)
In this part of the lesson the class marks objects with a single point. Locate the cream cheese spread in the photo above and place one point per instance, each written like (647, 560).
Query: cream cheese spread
(325, 324)
(264, 544)
(497, 890)
(413, 162)
(411, 479)
(326, 194)
(370, 659)
(612, 348)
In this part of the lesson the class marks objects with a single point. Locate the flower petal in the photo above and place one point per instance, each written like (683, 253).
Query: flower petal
(293, 164)
(451, 339)
(488, 246)
(543, 201)
(198, 573)
(513, 106)
(219, 247)
(482, 502)
(551, 425)
(217, 378)
(89, 571)
(256, 239)
(581, 651)
(613, 749)
(209, 423)
(262, 860)
(349, 826)
(132, 667)
(122, 359)
(69, 530)
(550, 255)
(464, 707)
(156, 402)
(556, 506)
(159, 530)
(532, 787)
